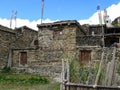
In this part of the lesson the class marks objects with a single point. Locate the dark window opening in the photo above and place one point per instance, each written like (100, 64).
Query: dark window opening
(96, 30)
(110, 41)
(57, 34)
(112, 31)
(36, 42)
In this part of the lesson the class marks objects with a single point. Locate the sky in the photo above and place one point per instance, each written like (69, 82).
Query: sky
(29, 11)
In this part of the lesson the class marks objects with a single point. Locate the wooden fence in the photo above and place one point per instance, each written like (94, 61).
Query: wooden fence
(72, 86)
(110, 76)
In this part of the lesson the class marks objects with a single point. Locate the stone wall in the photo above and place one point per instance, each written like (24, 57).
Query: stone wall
(37, 63)
(46, 48)
(25, 37)
(89, 40)
(57, 39)
(32, 57)
(20, 38)
(7, 36)
(95, 29)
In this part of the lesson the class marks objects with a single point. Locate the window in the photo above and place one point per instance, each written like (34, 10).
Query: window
(23, 58)
(57, 34)
(36, 42)
(110, 41)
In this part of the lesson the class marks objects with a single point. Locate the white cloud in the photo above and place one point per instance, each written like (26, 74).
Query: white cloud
(113, 12)
(23, 22)
(92, 20)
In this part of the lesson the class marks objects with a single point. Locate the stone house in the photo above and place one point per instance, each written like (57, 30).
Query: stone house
(41, 52)
(26, 42)
(18, 39)
(92, 42)
(58, 39)
(85, 42)
(71, 39)
(112, 35)
(89, 44)
(55, 41)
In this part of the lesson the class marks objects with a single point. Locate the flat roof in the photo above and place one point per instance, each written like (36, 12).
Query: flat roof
(6, 29)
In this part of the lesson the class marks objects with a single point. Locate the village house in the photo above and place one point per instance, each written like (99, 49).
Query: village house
(57, 41)
(41, 52)
(18, 39)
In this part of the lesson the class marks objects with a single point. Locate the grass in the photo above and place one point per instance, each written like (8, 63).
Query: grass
(8, 78)
(10, 81)
(50, 86)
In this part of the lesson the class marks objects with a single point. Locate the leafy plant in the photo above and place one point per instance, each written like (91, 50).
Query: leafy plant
(73, 71)
(6, 69)
(84, 73)
(22, 79)
(80, 73)
(118, 71)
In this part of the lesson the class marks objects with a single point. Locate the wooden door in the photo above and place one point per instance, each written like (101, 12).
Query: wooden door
(23, 58)
(85, 56)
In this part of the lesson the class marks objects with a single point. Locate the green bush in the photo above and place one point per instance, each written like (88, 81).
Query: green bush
(80, 73)
(8, 78)
(84, 73)
(37, 80)
(118, 70)
(6, 69)
(74, 68)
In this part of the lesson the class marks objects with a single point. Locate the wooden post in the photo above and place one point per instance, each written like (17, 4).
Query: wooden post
(107, 65)
(107, 72)
(68, 71)
(63, 75)
(100, 68)
(10, 58)
(115, 74)
(112, 67)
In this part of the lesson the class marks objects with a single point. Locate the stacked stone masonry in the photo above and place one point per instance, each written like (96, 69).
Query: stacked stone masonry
(41, 51)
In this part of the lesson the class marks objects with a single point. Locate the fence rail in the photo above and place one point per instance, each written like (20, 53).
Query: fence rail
(72, 86)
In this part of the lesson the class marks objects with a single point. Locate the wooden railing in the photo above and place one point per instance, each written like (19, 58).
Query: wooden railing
(73, 86)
